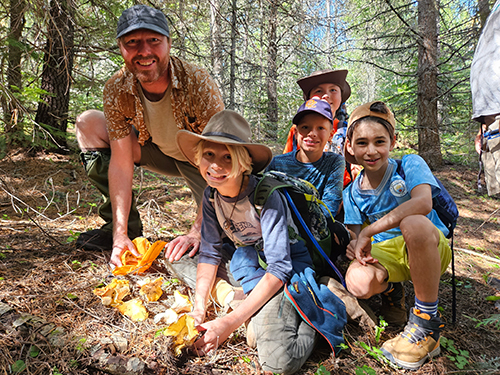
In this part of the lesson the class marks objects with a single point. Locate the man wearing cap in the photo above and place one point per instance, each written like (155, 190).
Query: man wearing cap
(485, 87)
(145, 103)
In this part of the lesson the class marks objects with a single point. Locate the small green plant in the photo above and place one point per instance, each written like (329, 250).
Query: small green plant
(245, 359)
(365, 370)
(322, 371)
(343, 346)
(376, 353)
(493, 320)
(34, 351)
(486, 276)
(18, 367)
(76, 264)
(72, 236)
(80, 346)
(55, 371)
(170, 282)
(380, 328)
(459, 357)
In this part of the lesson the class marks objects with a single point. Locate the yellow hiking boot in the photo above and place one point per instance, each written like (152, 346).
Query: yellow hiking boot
(418, 342)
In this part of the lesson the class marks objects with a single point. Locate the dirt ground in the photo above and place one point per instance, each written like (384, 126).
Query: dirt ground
(52, 323)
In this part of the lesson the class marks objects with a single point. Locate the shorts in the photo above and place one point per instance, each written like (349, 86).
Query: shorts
(155, 160)
(392, 254)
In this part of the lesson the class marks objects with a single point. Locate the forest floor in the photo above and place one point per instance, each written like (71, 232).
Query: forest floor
(52, 323)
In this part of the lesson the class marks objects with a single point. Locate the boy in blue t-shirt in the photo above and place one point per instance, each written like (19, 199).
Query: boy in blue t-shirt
(404, 239)
(325, 170)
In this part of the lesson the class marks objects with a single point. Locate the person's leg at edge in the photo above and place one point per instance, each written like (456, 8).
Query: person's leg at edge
(93, 141)
(284, 341)
(420, 338)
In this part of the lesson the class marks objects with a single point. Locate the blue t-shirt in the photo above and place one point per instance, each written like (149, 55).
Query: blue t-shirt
(326, 174)
(362, 206)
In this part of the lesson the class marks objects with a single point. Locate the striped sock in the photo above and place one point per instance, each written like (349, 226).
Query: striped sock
(427, 307)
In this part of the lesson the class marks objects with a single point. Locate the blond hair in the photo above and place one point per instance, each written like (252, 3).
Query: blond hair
(240, 158)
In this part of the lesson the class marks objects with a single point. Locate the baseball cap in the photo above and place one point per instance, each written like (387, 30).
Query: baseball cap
(364, 111)
(318, 77)
(314, 105)
(142, 17)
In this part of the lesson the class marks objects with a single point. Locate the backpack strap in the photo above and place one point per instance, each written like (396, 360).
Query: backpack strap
(315, 242)
(264, 189)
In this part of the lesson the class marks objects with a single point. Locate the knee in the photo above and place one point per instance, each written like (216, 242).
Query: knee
(89, 118)
(91, 129)
(361, 281)
(419, 230)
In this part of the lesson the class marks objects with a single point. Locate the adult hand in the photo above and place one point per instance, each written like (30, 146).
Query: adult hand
(216, 332)
(121, 242)
(176, 248)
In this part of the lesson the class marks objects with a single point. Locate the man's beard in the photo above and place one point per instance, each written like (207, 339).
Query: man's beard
(150, 75)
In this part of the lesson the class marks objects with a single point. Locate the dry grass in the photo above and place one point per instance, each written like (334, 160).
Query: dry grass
(46, 200)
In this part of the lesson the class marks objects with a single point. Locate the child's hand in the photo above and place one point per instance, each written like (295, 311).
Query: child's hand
(216, 332)
(350, 253)
(198, 315)
(363, 250)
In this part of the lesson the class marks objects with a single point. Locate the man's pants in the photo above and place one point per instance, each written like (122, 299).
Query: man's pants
(96, 164)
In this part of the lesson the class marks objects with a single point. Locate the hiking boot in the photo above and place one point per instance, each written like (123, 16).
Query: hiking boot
(418, 342)
(393, 306)
(96, 239)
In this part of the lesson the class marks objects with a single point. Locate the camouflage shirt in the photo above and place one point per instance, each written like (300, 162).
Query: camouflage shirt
(195, 99)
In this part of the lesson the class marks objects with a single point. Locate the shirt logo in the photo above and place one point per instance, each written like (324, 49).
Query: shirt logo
(398, 188)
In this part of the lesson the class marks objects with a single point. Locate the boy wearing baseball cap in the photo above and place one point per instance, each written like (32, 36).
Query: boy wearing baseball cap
(325, 170)
(404, 239)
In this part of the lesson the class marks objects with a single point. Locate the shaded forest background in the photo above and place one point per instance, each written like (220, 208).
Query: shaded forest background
(57, 55)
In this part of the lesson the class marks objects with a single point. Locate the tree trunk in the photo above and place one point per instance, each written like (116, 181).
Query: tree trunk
(271, 130)
(232, 69)
(217, 56)
(427, 113)
(484, 11)
(12, 112)
(56, 76)
(181, 39)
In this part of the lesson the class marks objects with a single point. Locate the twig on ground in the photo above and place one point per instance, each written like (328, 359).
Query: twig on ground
(489, 217)
(95, 316)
